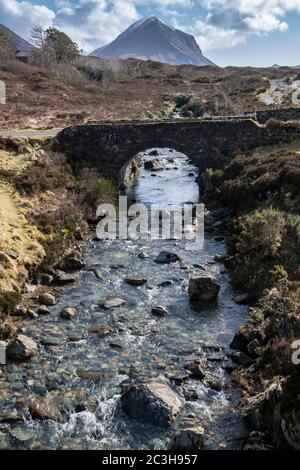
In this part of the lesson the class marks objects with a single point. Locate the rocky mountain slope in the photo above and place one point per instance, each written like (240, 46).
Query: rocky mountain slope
(151, 39)
(16, 41)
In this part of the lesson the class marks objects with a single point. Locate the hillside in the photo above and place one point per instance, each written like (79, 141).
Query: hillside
(102, 89)
(19, 44)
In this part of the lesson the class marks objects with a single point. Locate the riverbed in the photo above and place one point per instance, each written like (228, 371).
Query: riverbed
(79, 371)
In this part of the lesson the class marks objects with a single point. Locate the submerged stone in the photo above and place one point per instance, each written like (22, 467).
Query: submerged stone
(135, 281)
(100, 330)
(22, 434)
(112, 303)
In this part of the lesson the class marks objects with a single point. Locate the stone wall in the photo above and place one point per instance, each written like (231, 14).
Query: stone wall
(109, 147)
(280, 114)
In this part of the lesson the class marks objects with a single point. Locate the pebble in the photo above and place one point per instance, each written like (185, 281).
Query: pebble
(159, 311)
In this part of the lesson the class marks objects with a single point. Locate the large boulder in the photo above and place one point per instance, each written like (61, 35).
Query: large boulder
(22, 348)
(203, 289)
(152, 402)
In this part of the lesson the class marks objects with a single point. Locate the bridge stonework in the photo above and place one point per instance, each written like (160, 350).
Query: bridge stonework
(109, 147)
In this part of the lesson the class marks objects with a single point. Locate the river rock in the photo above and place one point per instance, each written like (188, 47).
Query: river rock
(245, 336)
(189, 439)
(116, 345)
(159, 311)
(112, 303)
(43, 310)
(68, 313)
(165, 257)
(32, 313)
(165, 283)
(42, 410)
(62, 278)
(152, 402)
(100, 330)
(241, 359)
(180, 377)
(143, 255)
(73, 261)
(153, 153)
(47, 299)
(52, 340)
(245, 299)
(203, 289)
(196, 369)
(46, 279)
(91, 375)
(10, 416)
(19, 312)
(22, 348)
(22, 434)
(153, 165)
(135, 281)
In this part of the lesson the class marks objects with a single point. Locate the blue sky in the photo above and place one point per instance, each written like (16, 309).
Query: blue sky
(230, 32)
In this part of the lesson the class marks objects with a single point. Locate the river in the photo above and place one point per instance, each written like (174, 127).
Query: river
(78, 374)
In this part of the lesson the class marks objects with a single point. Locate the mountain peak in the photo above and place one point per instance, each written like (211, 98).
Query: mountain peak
(151, 39)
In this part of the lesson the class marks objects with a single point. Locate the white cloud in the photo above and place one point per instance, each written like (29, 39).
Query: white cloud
(92, 23)
(21, 16)
(231, 22)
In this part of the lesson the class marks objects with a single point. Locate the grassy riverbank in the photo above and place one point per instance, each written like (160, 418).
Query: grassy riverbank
(44, 213)
(262, 187)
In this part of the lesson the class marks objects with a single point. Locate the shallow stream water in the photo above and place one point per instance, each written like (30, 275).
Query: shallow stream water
(78, 374)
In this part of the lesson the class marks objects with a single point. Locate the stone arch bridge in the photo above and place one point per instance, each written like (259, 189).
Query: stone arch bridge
(110, 147)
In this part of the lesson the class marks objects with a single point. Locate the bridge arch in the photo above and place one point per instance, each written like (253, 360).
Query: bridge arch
(208, 143)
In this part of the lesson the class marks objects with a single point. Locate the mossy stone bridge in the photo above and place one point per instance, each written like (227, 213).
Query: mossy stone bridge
(109, 147)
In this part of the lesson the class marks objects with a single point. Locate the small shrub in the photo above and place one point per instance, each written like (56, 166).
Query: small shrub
(8, 301)
(261, 232)
(266, 246)
(92, 71)
(181, 100)
(100, 190)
